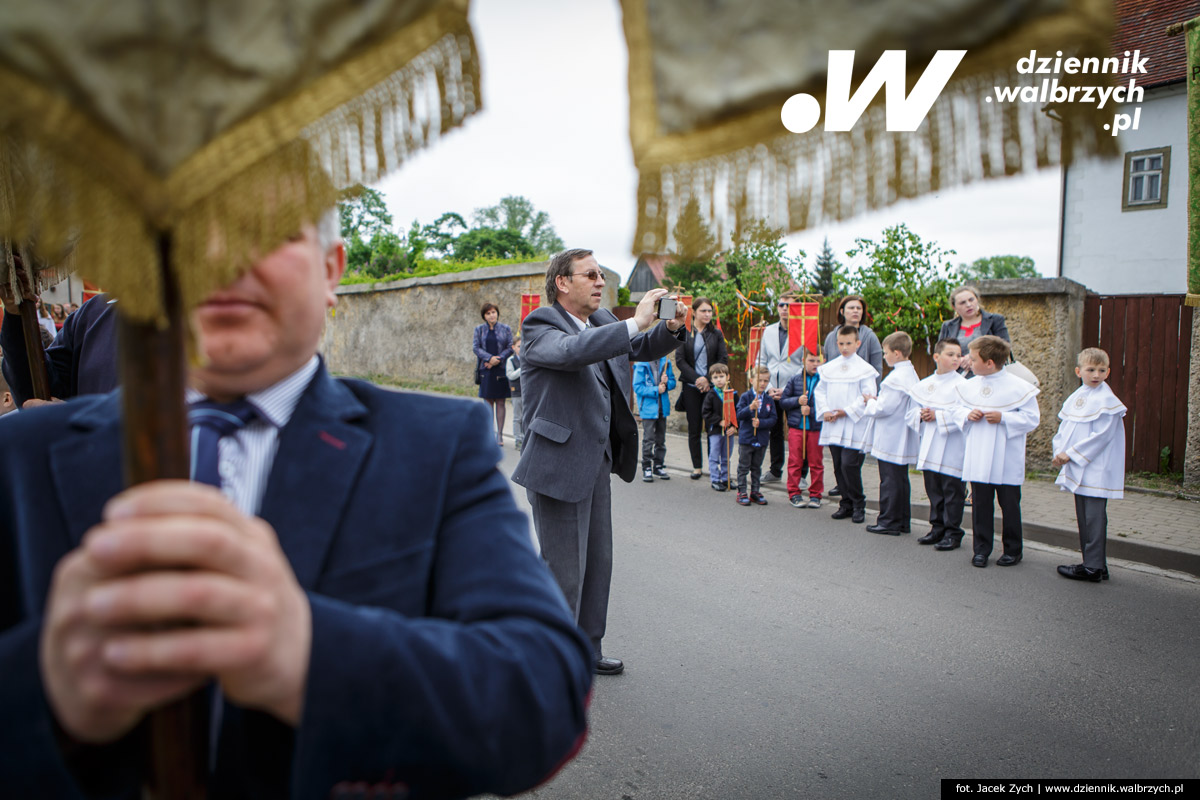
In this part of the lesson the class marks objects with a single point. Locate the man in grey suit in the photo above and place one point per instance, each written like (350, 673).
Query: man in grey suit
(575, 383)
(784, 362)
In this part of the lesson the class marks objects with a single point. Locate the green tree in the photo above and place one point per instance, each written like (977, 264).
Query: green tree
(491, 243)
(758, 267)
(695, 247)
(905, 281)
(517, 215)
(439, 237)
(826, 271)
(364, 213)
(999, 267)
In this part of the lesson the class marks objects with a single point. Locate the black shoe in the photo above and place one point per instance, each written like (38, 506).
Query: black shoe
(947, 543)
(841, 513)
(697, 475)
(757, 497)
(883, 530)
(609, 666)
(837, 492)
(859, 517)
(979, 561)
(1007, 561)
(660, 472)
(931, 538)
(718, 486)
(1078, 572)
(771, 477)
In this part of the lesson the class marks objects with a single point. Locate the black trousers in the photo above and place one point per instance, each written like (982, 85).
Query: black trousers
(983, 515)
(1092, 514)
(750, 459)
(895, 507)
(778, 438)
(947, 496)
(847, 466)
(693, 400)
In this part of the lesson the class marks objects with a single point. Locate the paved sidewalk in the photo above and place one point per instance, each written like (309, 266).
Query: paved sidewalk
(1161, 531)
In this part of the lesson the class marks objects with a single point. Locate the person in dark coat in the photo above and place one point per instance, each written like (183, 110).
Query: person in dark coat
(703, 347)
(971, 322)
(492, 346)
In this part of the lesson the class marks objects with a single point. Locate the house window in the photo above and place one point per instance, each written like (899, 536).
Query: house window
(1146, 176)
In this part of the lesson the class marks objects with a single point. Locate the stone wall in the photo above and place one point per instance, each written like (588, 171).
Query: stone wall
(420, 329)
(1191, 459)
(1045, 322)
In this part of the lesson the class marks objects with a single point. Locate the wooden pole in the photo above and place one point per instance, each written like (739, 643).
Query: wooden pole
(35, 353)
(153, 367)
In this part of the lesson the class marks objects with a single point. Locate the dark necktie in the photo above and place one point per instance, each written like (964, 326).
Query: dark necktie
(210, 423)
(783, 337)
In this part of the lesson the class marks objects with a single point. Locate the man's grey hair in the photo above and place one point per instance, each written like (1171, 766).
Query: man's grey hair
(329, 229)
(562, 264)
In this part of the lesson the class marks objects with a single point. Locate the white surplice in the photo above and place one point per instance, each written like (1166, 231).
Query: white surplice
(1092, 434)
(995, 453)
(888, 436)
(843, 383)
(941, 443)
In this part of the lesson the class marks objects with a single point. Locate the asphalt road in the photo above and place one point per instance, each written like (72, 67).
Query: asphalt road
(772, 652)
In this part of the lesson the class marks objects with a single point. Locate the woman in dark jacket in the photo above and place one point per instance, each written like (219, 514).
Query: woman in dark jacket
(703, 347)
(492, 346)
(971, 322)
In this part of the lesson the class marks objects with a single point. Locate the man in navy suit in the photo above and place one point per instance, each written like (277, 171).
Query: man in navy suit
(575, 385)
(361, 588)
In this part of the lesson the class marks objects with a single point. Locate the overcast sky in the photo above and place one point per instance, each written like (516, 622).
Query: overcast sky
(555, 128)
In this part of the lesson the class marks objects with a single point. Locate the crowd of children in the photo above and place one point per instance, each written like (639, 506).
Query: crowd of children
(955, 431)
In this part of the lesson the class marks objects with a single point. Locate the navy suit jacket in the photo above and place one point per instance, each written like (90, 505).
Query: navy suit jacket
(443, 655)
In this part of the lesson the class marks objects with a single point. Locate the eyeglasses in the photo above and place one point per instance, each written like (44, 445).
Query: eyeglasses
(784, 303)
(592, 275)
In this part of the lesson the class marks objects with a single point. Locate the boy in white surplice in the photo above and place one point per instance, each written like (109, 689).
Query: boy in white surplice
(889, 438)
(940, 453)
(996, 411)
(1090, 448)
(840, 402)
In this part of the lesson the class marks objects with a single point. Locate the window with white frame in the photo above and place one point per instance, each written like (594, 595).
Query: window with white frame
(1146, 178)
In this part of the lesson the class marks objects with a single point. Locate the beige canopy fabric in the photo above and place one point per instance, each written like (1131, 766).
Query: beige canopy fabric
(707, 83)
(219, 126)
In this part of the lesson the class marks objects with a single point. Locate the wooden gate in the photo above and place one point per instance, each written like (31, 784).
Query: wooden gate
(1149, 341)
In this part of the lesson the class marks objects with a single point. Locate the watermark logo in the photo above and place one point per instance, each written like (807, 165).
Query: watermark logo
(801, 112)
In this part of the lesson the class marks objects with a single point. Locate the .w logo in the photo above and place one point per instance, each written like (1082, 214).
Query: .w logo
(801, 112)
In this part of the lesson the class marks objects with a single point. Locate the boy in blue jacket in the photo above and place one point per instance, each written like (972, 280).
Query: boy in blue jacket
(756, 416)
(804, 434)
(652, 380)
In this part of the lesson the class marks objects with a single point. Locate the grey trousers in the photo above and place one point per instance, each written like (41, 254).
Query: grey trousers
(654, 442)
(1092, 515)
(576, 542)
(518, 430)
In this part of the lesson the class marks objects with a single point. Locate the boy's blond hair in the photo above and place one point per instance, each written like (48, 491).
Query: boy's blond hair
(1092, 356)
(717, 369)
(991, 348)
(899, 341)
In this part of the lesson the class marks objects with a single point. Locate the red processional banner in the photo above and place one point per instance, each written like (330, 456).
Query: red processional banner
(728, 410)
(686, 299)
(804, 327)
(752, 348)
(528, 303)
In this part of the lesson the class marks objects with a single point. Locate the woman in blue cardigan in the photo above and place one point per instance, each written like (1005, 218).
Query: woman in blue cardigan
(492, 346)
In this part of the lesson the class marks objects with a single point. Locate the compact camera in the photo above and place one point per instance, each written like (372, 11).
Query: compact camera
(666, 307)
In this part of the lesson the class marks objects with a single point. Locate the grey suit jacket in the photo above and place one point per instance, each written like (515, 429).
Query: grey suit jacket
(783, 366)
(569, 415)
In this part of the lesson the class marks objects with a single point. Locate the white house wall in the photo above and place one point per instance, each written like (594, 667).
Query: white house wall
(1111, 251)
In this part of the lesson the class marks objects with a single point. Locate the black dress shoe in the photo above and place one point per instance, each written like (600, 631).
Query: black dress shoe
(859, 517)
(609, 666)
(697, 476)
(1078, 572)
(931, 538)
(837, 492)
(979, 561)
(883, 530)
(947, 543)
(841, 513)
(1007, 561)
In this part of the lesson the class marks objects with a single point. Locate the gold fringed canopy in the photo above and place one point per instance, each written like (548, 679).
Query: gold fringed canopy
(706, 90)
(223, 124)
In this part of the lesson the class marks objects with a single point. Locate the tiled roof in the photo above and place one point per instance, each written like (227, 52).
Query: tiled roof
(1142, 25)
